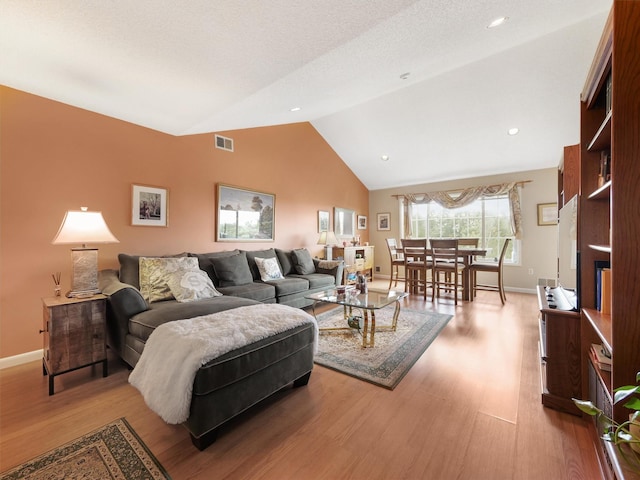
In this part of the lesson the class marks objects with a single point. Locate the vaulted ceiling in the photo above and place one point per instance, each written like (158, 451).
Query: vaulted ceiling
(424, 82)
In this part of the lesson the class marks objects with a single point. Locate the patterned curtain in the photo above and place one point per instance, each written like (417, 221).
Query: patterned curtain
(461, 199)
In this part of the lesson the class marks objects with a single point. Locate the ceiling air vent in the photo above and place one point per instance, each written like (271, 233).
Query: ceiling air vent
(224, 143)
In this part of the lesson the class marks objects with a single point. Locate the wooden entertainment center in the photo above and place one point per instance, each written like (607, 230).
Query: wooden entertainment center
(604, 169)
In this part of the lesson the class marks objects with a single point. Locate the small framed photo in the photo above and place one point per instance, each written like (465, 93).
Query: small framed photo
(384, 221)
(149, 206)
(362, 222)
(547, 213)
(323, 221)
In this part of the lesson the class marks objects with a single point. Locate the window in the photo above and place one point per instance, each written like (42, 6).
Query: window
(488, 219)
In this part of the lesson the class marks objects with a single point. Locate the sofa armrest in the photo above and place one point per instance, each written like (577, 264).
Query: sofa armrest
(330, 267)
(123, 302)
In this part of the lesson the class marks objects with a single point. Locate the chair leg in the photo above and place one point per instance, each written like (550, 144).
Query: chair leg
(503, 297)
(455, 288)
(391, 278)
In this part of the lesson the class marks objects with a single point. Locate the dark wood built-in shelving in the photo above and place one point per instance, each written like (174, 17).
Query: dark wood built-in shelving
(608, 220)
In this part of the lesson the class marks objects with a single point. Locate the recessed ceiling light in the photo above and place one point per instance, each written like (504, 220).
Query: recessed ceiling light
(497, 22)
(405, 75)
(513, 131)
(384, 158)
(295, 109)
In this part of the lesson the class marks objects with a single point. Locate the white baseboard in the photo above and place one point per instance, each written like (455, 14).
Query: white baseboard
(20, 359)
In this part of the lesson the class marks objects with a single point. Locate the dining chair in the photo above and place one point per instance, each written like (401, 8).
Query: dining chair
(494, 268)
(417, 265)
(397, 260)
(468, 242)
(447, 267)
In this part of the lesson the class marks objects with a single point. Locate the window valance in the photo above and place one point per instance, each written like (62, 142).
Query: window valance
(461, 198)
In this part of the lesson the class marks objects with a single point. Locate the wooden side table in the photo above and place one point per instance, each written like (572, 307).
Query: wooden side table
(74, 335)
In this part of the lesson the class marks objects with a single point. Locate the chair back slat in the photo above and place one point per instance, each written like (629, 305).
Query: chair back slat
(414, 249)
(395, 251)
(444, 250)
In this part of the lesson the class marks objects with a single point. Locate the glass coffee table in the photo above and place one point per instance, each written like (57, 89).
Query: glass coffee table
(367, 304)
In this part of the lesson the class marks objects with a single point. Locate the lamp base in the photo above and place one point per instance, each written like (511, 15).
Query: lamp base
(84, 275)
(328, 252)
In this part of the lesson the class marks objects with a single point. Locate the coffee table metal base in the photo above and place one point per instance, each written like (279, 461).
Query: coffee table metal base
(368, 317)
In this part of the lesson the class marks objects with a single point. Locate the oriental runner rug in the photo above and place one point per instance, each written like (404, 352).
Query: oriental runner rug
(394, 353)
(113, 451)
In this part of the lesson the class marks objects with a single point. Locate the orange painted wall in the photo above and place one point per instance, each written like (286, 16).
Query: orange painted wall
(54, 157)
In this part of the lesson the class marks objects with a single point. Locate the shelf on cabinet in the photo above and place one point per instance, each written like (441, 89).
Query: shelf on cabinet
(601, 324)
(602, 139)
(601, 193)
(601, 248)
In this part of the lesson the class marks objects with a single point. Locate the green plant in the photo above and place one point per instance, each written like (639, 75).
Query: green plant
(625, 434)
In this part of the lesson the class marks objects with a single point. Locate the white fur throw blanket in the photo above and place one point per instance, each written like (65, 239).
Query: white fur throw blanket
(176, 350)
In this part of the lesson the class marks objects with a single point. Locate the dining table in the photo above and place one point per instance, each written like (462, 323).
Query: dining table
(467, 254)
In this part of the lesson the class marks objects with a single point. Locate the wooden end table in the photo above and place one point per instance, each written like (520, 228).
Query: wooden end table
(74, 335)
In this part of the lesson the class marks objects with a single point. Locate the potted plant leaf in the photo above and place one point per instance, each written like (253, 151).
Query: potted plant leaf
(626, 435)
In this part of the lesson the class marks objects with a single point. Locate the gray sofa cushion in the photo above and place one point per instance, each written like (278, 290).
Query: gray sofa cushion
(259, 291)
(284, 257)
(204, 260)
(316, 280)
(290, 285)
(142, 324)
(232, 270)
(302, 261)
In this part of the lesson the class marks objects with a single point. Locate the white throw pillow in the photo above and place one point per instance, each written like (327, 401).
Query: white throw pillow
(191, 285)
(269, 269)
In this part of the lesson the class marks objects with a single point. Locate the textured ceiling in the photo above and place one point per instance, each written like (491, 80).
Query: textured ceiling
(210, 66)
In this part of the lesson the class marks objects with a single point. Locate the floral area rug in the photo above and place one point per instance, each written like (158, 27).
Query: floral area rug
(394, 353)
(114, 451)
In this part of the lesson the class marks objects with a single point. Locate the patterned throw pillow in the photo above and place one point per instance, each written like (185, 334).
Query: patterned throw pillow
(191, 285)
(156, 272)
(269, 269)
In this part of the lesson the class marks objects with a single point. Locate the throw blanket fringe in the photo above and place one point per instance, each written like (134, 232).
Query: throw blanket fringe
(176, 350)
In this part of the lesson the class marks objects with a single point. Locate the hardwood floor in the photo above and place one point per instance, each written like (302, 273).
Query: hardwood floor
(468, 409)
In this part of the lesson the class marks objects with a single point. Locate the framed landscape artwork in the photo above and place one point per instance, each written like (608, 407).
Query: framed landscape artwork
(149, 206)
(384, 221)
(245, 215)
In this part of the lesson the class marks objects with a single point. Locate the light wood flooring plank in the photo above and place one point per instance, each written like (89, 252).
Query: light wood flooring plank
(469, 409)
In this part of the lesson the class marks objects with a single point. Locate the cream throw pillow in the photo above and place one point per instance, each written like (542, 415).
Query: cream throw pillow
(191, 285)
(269, 269)
(156, 272)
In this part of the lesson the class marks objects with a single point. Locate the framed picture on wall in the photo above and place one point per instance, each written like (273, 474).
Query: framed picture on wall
(245, 215)
(384, 221)
(547, 214)
(323, 221)
(149, 206)
(362, 222)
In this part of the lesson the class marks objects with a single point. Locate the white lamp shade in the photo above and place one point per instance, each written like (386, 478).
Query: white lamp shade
(83, 227)
(327, 238)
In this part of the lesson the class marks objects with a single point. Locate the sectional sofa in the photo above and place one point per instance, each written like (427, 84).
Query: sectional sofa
(144, 294)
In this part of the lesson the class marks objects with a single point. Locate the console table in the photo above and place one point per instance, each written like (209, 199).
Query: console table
(356, 259)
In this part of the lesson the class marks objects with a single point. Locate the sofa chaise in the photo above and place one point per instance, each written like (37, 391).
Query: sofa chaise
(140, 297)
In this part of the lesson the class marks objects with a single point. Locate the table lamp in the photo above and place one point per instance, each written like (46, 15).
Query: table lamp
(83, 227)
(328, 239)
